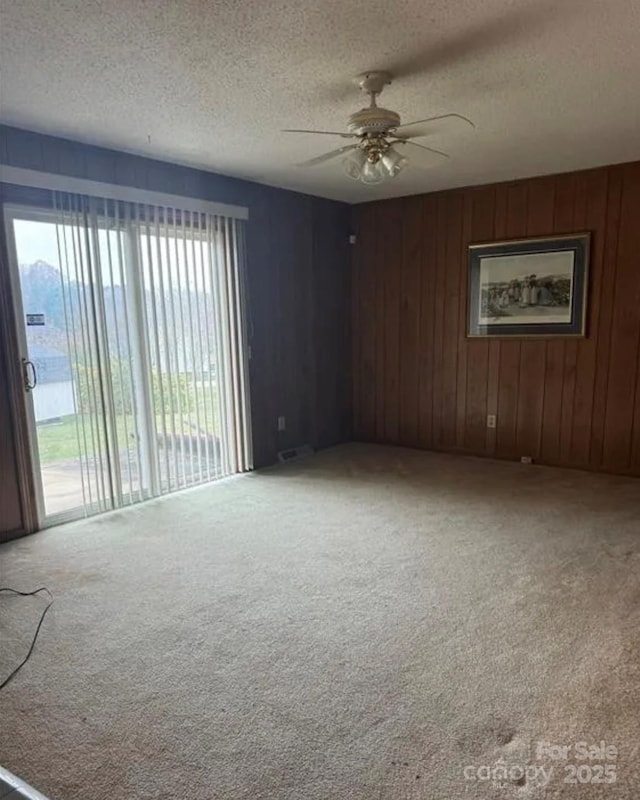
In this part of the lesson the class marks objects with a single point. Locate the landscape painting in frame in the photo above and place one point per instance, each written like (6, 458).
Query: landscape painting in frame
(529, 287)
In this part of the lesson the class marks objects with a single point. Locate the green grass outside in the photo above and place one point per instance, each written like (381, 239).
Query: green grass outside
(59, 441)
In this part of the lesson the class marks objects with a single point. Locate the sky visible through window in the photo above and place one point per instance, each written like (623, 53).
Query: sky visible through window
(174, 260)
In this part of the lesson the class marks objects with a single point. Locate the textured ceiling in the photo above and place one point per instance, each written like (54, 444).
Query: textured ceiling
(551, 86)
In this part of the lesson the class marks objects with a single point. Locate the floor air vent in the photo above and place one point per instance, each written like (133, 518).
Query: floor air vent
(295, 453)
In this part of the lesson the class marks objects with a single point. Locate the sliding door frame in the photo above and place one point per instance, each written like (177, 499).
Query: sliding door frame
(32, 462)
(27, 469)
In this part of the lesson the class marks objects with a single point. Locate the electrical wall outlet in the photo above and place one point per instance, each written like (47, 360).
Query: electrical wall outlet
(526, 460)
(282, 424)
(491, 420)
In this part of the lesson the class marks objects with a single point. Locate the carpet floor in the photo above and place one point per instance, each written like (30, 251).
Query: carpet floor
(370, 624)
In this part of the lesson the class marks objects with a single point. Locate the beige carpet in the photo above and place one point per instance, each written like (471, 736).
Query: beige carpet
(372, 624)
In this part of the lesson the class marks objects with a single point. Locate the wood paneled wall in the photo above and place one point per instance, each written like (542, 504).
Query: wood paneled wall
(417, 379)
(298, 283)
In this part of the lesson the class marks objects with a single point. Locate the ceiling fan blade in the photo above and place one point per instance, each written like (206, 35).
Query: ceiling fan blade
(313, 162)
(323, 133)
(435, 119)
(500, 30)
(423, 159)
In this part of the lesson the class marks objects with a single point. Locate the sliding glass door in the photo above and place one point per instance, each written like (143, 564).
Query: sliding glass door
(132, 331)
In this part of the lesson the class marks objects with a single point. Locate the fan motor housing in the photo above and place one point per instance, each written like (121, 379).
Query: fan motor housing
(373, 120)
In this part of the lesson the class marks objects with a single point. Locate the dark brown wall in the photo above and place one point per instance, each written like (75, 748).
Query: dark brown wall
(299, 283)
(418, 381)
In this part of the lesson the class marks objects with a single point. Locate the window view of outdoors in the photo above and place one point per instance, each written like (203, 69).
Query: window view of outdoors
(127, 400)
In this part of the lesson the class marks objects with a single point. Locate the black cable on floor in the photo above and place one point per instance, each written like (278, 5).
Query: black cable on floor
(33, 643)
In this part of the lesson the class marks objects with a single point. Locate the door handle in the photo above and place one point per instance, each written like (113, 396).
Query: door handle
(30, 375)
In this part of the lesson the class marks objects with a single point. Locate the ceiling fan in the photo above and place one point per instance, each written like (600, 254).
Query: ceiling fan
(374, 157)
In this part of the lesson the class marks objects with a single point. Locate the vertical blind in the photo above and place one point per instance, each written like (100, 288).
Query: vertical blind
(156, 333)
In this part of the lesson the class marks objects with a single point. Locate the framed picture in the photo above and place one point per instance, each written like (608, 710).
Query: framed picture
(529, 287)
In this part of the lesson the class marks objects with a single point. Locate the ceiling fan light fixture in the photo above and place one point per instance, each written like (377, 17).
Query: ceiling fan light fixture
(373, 167)
(353, 164)
(393, 162)
(372, 172)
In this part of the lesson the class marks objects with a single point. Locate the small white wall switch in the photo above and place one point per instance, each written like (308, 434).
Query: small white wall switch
(282, 423)
(491, 420)
(526, 460)
(352, 238)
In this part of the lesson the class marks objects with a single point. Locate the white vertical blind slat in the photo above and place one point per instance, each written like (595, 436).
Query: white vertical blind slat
(225, 368)
(171, 351)
(197, 349)
(119, 402)
(72, 345)
(181, 354)
(93, 420)
(194, 427)
(243, 349)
